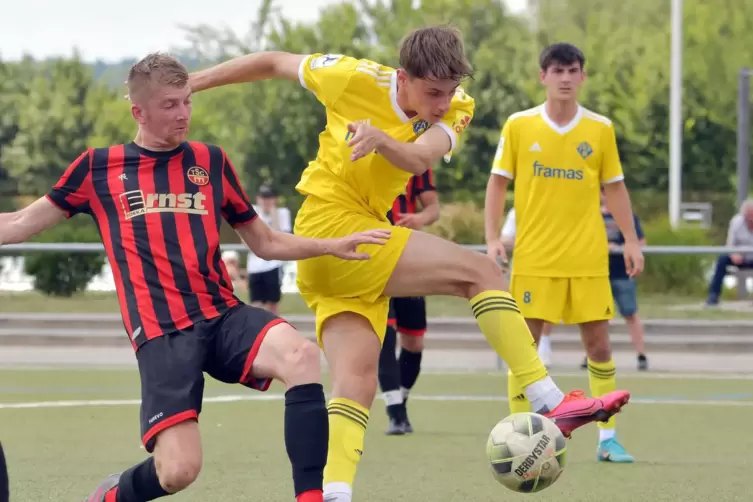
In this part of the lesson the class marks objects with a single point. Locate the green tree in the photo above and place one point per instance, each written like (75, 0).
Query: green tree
(53, 125)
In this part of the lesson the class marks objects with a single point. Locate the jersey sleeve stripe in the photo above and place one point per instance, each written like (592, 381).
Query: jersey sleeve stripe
(450, 133)
(301, 75)
(614, 180)
(502, 172)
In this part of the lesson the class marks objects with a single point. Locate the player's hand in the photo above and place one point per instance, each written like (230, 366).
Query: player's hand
(496, 250)
(736, 258)
(346, 247)
(414, 221)
(633, 258)
(366, 140)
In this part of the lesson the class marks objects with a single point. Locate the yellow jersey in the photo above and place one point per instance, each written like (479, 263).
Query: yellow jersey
(359, 90)
(558, 171)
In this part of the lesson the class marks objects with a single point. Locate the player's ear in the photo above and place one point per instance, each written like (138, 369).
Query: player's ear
(137, 114)
(542, 76)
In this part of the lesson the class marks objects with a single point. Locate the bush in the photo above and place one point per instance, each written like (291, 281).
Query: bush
(60, 273)
(680, 274)
(461, 222)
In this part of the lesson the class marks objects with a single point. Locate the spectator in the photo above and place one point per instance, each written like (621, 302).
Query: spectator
(265, 277)
(508, 239)
(623, 287)
(740, 233)
(233, 265)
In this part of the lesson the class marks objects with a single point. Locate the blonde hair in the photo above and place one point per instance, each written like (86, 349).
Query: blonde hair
(436, 53)
(157, 68)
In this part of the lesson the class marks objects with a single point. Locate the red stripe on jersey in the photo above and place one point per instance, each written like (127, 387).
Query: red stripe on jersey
(128, 241)
(201, 151)
(100, 216)
(157, 246)
(188, 247)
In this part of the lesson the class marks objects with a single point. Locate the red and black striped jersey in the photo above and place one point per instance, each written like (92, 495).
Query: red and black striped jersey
(159, 216)
(406, 202)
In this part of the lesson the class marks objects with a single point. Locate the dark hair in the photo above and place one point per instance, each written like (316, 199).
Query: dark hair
(436, 53)
(561, 53)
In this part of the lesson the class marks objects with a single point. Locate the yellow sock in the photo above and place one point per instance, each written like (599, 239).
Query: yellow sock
(506, 331)
(601, 379)
(347, 427)
(516, 397)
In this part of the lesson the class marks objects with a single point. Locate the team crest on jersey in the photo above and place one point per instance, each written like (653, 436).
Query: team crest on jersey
(325, 61)
(198, 176)
(420, 126)
(585, 150)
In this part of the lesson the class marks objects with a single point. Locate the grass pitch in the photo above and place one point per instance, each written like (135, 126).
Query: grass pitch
(65, 430)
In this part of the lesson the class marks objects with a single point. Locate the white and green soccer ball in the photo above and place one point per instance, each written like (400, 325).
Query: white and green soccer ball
(526, 452)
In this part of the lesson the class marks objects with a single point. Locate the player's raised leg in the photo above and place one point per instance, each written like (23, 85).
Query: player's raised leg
(430, 265)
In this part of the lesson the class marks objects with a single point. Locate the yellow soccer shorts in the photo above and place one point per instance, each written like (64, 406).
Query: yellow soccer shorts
(331, 285)
(572, 300)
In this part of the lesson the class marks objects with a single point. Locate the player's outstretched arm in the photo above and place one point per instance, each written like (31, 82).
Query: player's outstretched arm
(248, 68)
(20, 226)
(270, 245)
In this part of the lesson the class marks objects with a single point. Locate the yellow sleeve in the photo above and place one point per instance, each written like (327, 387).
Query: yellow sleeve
(504, 158)
(326, 75)
(611, 168)
(457, 119)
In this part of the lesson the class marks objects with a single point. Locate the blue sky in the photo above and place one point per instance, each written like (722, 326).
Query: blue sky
(45, 28)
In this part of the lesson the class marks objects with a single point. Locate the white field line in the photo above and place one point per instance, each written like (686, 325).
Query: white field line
(279, 397)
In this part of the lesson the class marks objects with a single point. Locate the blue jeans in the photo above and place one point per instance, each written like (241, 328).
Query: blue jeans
(625, 296)
(717, 281)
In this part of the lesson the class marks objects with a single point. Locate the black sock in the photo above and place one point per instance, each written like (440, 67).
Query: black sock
(389, 375)
(410, 367)
(140, 483)
(306, 435)
(4, 483)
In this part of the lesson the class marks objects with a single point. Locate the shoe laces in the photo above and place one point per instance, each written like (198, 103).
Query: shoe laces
(575, 395)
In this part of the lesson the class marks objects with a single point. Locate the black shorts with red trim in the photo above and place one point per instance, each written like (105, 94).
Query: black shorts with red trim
(172, 366)
(408, 315)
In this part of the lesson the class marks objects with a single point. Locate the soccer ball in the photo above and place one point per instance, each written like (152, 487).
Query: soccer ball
(526, 452)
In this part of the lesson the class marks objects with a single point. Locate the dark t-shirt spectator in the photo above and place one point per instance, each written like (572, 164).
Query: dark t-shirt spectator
(614, 236)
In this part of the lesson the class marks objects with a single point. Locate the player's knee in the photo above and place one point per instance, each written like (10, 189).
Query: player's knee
(301, 363)
(177, 473)
(412, 343)
(483, 274)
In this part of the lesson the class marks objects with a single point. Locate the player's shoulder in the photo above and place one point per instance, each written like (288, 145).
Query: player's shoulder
(595, 118)
(346, 63)
(525, 116)
(210, 148)
(462, 100)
